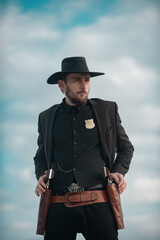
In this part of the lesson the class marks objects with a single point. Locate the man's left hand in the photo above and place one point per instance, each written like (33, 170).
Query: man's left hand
(119, 179)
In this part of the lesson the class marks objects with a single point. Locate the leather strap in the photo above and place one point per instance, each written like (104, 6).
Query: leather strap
(76, 199)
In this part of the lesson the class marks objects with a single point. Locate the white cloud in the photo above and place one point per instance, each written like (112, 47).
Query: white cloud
(147, 189)
(146, 141)
(21, 225)
(26, 174)
(36, 27)
(145, 225)
(151, 115)
(142, 191)
(113, 36)
(17, 134)
(131, 80)
(138, 75)
(7, 207)
(68, 10)
(23, 175)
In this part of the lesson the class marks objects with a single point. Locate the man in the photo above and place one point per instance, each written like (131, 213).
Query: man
(78, 138)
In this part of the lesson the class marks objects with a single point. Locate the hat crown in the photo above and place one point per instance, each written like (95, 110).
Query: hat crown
(75, 64)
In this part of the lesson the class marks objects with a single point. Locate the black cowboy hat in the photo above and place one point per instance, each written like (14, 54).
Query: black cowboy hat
(72, 65)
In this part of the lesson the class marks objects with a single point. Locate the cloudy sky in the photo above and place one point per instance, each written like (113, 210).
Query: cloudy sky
(118, 37)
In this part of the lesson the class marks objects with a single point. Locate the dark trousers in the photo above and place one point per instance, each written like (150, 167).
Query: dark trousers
(95, 222)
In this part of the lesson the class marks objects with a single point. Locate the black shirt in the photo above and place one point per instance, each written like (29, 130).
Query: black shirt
(77, 150)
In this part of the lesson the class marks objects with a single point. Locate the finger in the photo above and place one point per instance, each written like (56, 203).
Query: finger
(122, 188)
(42, 181)
(40, 188)
(42, 184)
(115, 178)
(121, 179)
(121, 182)
(121, 191)
(45, 177)
(123, 185)
(37, 193)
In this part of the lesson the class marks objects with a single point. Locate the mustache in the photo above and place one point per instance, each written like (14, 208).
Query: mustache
(82, 91)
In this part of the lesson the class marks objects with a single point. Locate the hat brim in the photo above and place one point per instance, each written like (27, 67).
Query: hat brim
(53, 79)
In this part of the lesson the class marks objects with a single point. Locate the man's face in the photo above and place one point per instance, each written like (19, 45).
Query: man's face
(76, 88)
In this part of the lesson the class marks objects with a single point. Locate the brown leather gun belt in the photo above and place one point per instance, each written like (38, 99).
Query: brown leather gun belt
(75, 199)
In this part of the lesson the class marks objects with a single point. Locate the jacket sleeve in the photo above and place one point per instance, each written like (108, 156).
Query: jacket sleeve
(40, 159)
(124, 151)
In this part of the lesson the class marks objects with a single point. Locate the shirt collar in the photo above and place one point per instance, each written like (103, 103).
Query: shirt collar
(76, 108)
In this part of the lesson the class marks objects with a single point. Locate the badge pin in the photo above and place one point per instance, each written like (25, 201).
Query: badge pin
(89, 124)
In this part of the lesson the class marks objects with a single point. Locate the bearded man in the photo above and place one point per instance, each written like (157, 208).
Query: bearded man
(78, 137)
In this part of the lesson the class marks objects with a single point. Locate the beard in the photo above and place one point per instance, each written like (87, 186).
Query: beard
(79, 98)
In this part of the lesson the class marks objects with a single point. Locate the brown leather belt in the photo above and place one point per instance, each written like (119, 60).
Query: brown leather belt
(75, 199)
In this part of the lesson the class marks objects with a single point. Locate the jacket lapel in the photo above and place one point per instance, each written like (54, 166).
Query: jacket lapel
(100, 114)
(49, 135)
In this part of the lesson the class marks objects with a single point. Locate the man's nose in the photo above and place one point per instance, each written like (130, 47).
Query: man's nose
(83, 83)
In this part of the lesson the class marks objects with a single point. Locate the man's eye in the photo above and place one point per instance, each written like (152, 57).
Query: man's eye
(87, 79)
(77, 79)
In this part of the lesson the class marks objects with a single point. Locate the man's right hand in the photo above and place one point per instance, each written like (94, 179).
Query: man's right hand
(41, 184)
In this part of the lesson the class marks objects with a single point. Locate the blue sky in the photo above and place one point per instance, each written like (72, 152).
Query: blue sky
(118, 37)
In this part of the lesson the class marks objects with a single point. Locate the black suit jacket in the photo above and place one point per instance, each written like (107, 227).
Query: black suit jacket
(116, 147)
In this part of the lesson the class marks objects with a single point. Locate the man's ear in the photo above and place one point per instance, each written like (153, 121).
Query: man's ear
(61, 85)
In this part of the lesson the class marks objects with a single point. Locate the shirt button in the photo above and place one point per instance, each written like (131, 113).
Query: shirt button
(74, 131)
(74, 169)
(73, 118)
(74, 156)
(74, 143)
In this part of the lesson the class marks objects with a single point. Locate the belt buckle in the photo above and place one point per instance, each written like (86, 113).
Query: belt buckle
(69, 194)
(67, 198)
(74, 187)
